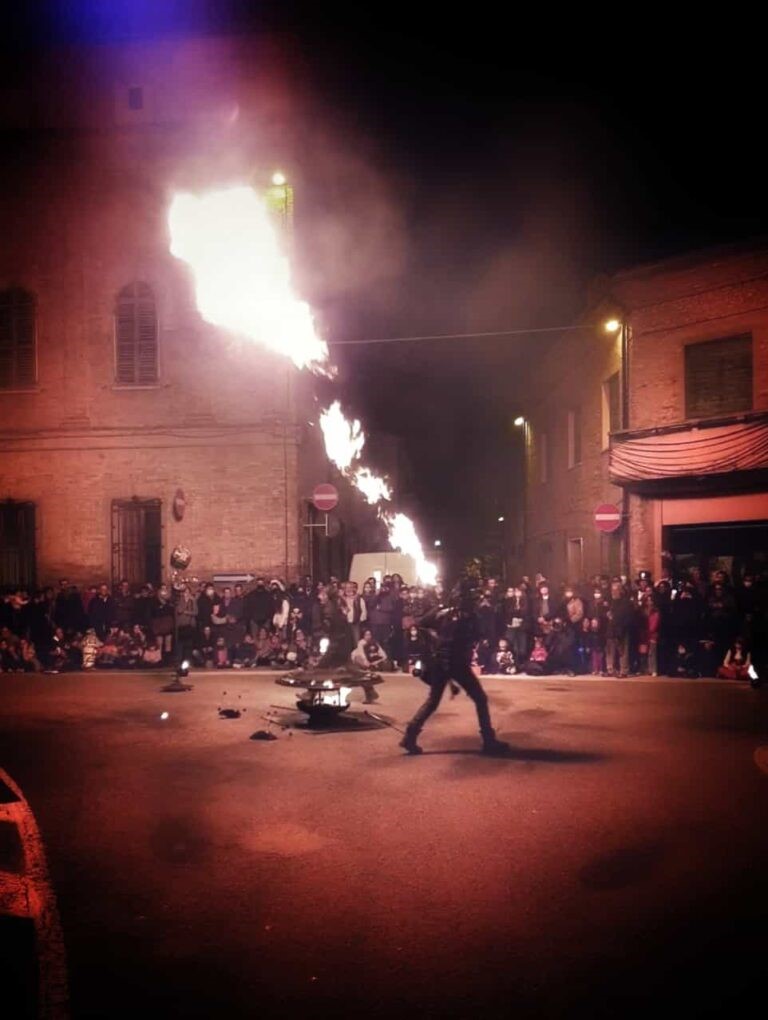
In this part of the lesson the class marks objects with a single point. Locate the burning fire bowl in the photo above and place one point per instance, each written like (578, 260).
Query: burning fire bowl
(323, 694)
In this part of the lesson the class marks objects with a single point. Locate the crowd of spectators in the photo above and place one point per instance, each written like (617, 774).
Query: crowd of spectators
(610, 626)
(691, 627)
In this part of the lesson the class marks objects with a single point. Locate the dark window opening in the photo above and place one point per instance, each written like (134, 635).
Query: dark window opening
(17, 545)
(136, 336)
(137, 541)
(738, 547)
(17, 339)
(718, 377)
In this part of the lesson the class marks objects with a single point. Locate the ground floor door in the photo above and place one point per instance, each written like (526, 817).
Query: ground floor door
(17, 545)
(137, 541)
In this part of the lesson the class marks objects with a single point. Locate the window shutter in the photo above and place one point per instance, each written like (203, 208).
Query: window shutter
(147, 339)
(718, 377)
(136, 336)
(25, 339)
(17, 339)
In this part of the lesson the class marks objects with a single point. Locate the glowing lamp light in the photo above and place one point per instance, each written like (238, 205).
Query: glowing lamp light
(612, 326)
(324, 642)
(519, 420)
(438, 543)
(278, 178)
(500, 519)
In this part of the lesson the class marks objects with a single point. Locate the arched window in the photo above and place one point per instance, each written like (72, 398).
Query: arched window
(136, 336)
(17, 339)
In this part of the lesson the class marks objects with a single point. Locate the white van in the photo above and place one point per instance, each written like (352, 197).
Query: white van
(377, 564)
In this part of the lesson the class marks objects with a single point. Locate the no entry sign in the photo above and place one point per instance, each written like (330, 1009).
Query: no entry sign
(325, 497)
(607, 517)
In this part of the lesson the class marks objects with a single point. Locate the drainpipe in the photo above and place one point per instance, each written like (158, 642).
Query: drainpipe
(625, 341)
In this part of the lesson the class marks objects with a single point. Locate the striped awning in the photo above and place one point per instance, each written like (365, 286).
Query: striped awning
(740, 446)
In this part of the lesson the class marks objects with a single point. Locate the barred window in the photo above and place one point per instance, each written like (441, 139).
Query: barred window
(136, 336)
(17, 339)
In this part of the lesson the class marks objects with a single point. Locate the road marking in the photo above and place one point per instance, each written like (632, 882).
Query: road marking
(31, 895)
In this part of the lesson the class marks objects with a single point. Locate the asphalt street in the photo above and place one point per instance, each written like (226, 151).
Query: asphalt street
(614, 863)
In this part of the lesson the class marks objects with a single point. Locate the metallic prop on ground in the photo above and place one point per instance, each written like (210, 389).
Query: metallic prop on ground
(323, 693)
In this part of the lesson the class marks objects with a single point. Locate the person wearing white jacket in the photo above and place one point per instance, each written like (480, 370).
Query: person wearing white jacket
(282, 606)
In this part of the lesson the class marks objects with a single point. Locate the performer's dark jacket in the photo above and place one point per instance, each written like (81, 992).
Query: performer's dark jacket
(451, 636)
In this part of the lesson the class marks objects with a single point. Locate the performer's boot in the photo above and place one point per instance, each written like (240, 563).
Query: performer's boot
(493, 746)
(408, 743)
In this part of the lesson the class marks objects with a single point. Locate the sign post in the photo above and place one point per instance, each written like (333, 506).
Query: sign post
(324, 498)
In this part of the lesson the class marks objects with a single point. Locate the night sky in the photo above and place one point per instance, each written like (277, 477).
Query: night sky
(511, 159)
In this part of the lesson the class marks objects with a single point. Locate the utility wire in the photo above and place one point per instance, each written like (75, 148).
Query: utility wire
(456, 336)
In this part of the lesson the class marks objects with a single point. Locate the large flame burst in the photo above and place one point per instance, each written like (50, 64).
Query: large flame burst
(243, 284)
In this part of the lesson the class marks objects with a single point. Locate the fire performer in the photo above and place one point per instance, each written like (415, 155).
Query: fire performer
(456, 634)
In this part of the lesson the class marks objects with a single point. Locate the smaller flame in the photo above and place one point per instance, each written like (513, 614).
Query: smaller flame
(324, 643)
(344, 439)
(402, 536)
(374, 489)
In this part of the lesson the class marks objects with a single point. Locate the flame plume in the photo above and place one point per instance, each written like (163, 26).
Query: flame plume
(243, 284)
(242, 278)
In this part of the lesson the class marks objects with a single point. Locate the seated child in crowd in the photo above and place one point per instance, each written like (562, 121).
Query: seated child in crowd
(537, 661)
(502, 660)
(415, 647)
(369, 654)
(90, 647)
(153, 653)
(203, 653)
(221, 654)
(244, 653)
(736, 662)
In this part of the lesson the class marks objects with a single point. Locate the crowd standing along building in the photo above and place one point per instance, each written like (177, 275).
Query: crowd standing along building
(657, 407)
(128, 425)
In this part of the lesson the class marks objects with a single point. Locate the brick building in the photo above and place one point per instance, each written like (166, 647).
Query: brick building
(666, 417)
(127, 424)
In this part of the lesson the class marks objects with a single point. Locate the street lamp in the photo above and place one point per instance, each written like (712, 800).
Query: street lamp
(437, 543)
(500, 519)
(519, 421)
(624, 330)
(279, 198)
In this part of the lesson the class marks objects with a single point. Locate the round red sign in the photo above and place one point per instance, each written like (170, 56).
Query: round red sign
(607, 517)
(325, 496)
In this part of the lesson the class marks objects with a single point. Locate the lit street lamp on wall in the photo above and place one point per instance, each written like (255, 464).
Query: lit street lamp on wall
(279, 197)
